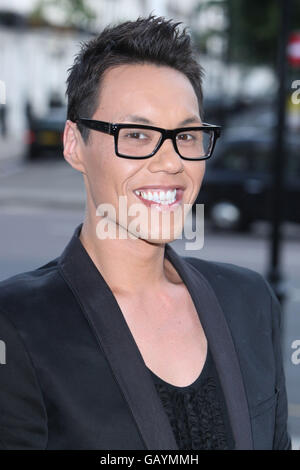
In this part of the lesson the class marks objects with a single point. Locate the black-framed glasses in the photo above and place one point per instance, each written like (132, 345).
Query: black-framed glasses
(143, 141)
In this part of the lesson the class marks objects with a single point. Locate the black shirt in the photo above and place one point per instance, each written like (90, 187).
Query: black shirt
(197, 412)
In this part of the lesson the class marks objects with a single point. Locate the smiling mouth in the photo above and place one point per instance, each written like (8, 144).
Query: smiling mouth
(160, 197)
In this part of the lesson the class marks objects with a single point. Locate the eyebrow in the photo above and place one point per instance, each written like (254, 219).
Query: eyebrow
(141, 119)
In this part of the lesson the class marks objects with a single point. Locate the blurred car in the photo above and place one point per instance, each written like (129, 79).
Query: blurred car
(237, 186)
(44, 136)
(258, 114)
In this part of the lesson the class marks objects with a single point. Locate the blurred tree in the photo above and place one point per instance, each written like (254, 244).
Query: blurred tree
(252, 29)
(75, 12)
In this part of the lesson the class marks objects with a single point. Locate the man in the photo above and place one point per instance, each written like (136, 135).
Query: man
(82, 330)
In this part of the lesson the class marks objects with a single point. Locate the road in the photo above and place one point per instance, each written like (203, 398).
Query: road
(41, 204)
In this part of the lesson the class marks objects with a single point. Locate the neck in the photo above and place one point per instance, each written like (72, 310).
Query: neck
(128, 266)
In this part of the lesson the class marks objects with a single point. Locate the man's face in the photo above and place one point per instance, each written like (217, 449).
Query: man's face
(143, 94)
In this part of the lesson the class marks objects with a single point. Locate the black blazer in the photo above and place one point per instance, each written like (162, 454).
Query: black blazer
(74, 377)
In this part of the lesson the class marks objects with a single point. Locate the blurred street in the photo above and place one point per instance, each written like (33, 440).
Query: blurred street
(42, 202)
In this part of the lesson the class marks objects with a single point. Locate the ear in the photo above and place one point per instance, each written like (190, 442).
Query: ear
(73, 146)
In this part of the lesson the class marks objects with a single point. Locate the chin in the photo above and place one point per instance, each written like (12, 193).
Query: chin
(159, 236)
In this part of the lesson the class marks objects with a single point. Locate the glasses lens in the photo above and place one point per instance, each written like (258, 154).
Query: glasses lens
(137, 142)
(195, 144)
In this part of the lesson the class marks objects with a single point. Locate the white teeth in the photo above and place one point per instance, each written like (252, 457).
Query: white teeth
(162, 197)
(156, 197)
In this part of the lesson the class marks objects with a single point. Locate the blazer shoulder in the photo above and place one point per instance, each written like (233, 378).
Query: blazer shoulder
(223, 268)
(230, 277)
(29, 288)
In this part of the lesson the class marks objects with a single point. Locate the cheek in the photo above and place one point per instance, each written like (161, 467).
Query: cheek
(100, 167)
(109, 174)
(196, 173)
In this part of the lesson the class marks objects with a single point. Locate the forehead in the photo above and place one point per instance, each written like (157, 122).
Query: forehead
(146, 89)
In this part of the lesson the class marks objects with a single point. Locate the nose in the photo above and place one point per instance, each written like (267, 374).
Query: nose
(166, 159)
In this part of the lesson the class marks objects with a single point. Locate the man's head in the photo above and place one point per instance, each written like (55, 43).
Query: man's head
(147, 40)
(142, 71)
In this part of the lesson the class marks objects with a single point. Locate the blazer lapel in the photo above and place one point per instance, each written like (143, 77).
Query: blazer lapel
(216, 329)
(117, 343)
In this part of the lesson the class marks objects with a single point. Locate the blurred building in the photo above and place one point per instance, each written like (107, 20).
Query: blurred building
(33, 64)
(35, 56)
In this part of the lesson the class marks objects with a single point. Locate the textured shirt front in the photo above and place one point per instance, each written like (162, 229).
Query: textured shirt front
(197, 412)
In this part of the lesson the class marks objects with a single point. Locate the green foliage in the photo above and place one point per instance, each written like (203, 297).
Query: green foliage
(252, 29)
(75, 12)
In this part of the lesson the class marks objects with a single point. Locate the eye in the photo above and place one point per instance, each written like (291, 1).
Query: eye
(185, 137)
(136, 135)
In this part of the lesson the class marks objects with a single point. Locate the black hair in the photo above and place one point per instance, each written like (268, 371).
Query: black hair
(147, 40)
